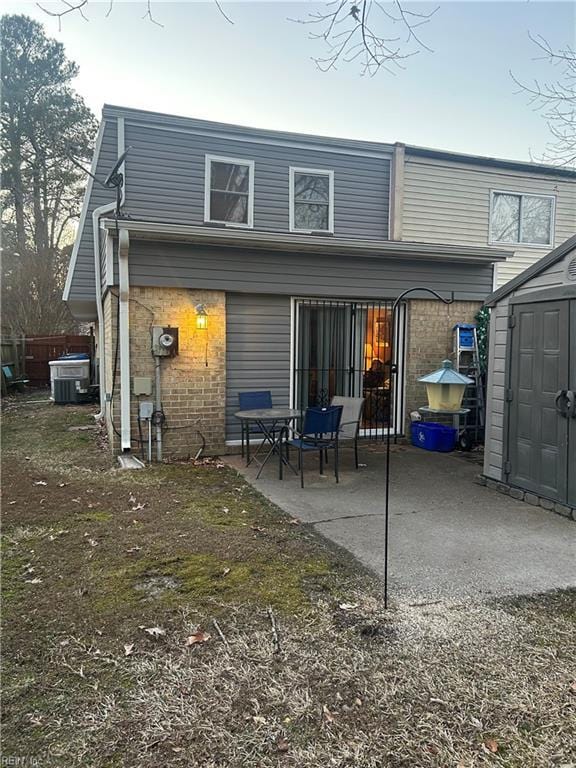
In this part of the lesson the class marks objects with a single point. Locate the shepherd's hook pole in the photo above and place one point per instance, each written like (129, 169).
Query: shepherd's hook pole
(392, 401)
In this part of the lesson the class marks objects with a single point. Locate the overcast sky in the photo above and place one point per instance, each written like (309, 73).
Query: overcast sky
(259, 71)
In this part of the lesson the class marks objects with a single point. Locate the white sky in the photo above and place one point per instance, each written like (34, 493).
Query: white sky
(259, 71)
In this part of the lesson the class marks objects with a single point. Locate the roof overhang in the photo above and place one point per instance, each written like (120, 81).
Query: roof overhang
(320, 244)
(532, 271)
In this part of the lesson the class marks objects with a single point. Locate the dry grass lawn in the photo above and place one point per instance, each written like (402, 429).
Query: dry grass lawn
(174, 617)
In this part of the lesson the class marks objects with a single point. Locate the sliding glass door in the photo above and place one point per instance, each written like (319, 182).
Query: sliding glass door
(343, 348)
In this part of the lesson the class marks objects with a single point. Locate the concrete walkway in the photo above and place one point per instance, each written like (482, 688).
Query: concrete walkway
(450, 537)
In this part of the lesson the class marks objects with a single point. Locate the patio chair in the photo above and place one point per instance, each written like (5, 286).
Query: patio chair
(250, 401)
(319, 433)
(351, 416)
(10, 380)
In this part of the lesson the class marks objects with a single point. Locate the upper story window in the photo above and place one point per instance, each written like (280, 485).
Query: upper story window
(229, 191)
(311, 200)
(522, 219)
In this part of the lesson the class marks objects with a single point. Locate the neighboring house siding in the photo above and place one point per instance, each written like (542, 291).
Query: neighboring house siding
(293, 274)
(82, 286)
(449, 202)
(554, 276)
(165, 173)
(257, 350)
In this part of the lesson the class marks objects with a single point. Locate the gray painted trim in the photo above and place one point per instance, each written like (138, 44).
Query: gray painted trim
(546, 261)
(493, 162)
(506, 404)
(396, 213)
(556, 293)
(150, 230)
(165, 121)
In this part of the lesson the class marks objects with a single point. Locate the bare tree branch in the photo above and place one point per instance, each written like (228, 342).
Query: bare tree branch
(69, 8)
(350, 30)
(555, 100)
(148, 14)
(228, 19)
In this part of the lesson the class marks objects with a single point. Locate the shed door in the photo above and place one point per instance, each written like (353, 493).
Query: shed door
(572, 420)
(538, 432)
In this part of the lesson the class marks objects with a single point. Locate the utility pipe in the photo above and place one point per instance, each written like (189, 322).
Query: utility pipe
(158, 409)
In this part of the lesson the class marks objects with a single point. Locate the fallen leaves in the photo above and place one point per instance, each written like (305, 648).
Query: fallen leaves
(259, 719)
(154, 631)
(327, 715)
(282, 744)
(197, 637)
(490, 745)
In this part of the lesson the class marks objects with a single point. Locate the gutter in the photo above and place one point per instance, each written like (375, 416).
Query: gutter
(321, 244)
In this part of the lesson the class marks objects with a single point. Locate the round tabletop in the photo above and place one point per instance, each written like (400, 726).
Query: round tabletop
(268, 414)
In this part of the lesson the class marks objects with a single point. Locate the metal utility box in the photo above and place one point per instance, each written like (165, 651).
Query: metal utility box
(142, 385)
(71, 391)
(164, 341)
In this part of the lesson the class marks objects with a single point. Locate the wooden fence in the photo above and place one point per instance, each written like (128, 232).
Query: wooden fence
(41, 349)
(30, 356)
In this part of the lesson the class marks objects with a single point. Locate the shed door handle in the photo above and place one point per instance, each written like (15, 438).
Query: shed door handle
(561, 402)
(571, 401)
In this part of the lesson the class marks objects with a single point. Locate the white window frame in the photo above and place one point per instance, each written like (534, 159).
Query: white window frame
(521, 195)
(208, 189)
(313, 172)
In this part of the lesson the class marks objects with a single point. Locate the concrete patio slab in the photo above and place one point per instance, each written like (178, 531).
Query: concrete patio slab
(450, 537)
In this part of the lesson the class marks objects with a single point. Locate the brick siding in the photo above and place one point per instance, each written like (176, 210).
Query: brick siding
(193, 383)
(429, 341)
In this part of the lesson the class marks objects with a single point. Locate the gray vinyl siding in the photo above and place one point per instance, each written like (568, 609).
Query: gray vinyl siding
(449, 202)
(257, 350)
(82, 286)
(495, 443)
(165, 174)
(296, 274)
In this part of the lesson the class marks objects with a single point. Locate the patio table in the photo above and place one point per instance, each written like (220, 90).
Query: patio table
(266, 419)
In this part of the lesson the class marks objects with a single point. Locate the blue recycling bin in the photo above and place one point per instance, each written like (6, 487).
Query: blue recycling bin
(433, 436)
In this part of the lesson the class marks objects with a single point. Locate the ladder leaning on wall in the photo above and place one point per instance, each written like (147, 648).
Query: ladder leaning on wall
(467, 361)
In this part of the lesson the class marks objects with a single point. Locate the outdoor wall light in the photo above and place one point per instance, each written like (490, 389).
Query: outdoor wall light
(445, 389)
(201, 317)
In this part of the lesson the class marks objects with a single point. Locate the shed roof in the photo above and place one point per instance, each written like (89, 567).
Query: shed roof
(539, 266)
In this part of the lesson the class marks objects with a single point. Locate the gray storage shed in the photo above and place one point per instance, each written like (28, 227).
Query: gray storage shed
(531, 397)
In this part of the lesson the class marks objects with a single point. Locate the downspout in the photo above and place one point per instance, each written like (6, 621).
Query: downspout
(124, 339)
(96, 214)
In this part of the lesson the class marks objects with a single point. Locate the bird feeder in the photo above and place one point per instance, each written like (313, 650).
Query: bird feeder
(445, 389)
